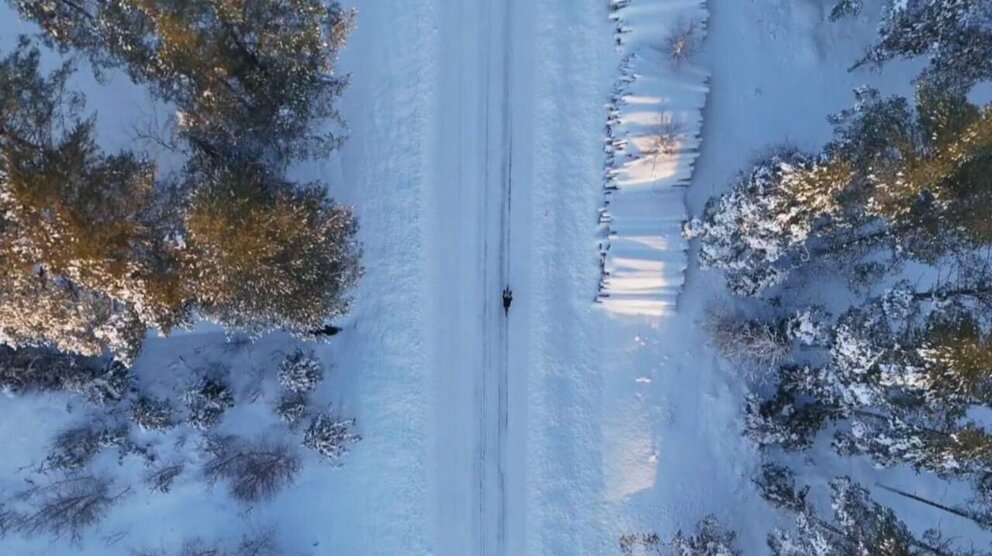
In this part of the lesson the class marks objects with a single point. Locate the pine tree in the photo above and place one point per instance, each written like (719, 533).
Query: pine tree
(760, 231)
(860, 526)
(71, 232)
(255, 76)
(269, 254)
(956, 36)
(958, 359)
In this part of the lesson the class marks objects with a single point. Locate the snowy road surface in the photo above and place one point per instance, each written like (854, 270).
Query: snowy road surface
(481, 66)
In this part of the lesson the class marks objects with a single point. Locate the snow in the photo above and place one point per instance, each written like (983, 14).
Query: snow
(654, 131)
(475, 162)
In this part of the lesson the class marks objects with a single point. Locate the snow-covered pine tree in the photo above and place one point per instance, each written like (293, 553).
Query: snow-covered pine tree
(759, 231)
(777, 484)
(258, 75)
(329, 436)
(300, 372)
(955, 35)
(77, 250)
(266, 253)
(859, 526)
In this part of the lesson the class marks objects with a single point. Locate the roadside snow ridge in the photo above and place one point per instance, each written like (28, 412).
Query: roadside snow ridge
(653, 139)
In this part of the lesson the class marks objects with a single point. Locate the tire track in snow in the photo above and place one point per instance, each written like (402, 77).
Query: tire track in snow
(494, 417)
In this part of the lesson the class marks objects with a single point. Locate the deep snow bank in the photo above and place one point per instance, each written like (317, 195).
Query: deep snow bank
(653, 140)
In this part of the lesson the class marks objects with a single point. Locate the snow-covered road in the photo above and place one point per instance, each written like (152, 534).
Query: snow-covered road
(477, 246)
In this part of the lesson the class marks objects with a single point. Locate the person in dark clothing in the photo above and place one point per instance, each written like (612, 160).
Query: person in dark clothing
(507, 300)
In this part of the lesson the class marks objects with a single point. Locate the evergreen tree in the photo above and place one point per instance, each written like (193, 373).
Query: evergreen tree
(265, 253)
(253, 77)
(72, 235)
(860, 526)
(956, 36)
(758, 232)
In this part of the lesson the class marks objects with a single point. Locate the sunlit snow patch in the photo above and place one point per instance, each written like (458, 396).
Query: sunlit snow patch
(653, 137)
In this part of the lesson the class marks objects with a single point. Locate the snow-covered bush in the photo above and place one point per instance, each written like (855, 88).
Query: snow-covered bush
(640, 544)
(748, 341)
(262, 544)
(329, 436)
(152, 415)
(31, 369)
(292, 408)
(253, 470)
(301, 373)
(809, 327)
(207, 400)
(73, 448)
(758, 232)
(711, 539)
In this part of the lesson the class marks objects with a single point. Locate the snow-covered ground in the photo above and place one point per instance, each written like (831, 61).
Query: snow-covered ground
(475, 162)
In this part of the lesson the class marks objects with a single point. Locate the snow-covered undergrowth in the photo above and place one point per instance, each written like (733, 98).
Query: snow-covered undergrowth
(653, 140)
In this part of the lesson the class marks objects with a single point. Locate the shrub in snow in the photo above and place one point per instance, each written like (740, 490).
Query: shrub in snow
(640, 544)
(73, 448)
(108, 385)
(152, 415)
(207, 400)
(683, 42)
(711, 539)
(330, 437)
(784, 420)
(292, 407)
(162, 478)
(66, 507)
(253, 470)
(301, 373)
(748, 341)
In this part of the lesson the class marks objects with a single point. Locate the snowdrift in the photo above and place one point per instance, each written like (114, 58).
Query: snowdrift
(653, 140)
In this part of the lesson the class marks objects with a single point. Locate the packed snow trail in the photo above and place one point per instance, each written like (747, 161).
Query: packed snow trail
(475, 239)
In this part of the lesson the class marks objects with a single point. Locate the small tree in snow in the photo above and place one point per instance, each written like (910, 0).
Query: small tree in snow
(206, 400)
(163, 478)
(300, 373)
(683, 42)
(73, 448)
(152, 415)
(759, 231)
(859, 526)
(254, 471)
(292, 408)
(748, 341)
(66, 507)
(330, 437)
(777, 484)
